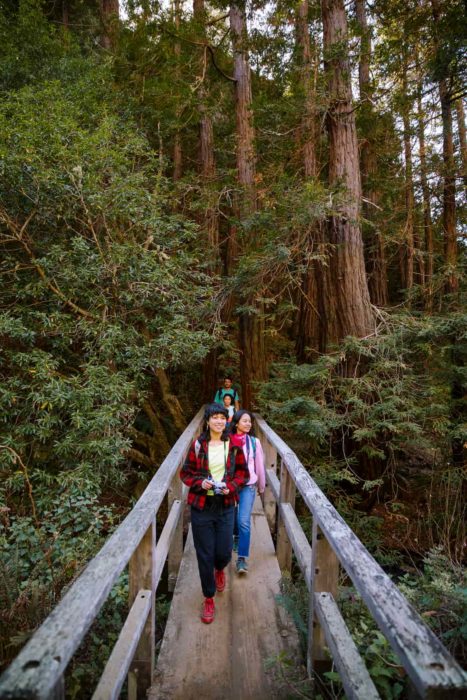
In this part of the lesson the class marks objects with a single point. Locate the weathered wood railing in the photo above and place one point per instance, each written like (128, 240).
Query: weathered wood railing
(432, 670)
(38, 671)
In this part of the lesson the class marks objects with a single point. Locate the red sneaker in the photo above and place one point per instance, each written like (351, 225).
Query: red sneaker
(220, 580)
(208, 610)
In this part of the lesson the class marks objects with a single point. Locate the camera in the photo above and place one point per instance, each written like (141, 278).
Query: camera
(217, 487)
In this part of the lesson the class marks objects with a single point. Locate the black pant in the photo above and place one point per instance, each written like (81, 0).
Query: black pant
(212, 534)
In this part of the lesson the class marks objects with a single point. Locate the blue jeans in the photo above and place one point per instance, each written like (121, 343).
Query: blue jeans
(212, 534)
(242, 526)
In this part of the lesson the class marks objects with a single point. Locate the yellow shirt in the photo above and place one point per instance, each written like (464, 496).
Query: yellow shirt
(217, 456)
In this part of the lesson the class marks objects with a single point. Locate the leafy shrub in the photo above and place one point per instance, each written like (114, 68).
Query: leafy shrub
(439, 593)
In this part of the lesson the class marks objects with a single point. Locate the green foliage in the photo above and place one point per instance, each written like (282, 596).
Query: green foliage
(102, 284)
(397, 396)
(38, 557)
(440, 595)
(101, 277)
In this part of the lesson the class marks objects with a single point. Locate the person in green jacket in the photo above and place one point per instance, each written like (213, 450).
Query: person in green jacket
(227, 388)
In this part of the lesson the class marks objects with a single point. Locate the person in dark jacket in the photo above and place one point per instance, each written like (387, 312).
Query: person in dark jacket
(215, 470)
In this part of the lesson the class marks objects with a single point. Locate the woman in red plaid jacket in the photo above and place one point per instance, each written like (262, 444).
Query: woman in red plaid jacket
(215, 470)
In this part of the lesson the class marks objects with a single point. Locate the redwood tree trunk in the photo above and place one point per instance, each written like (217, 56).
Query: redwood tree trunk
(208, 173)
(408, 243)
(246, 156)
(109, 14)
(375, 255)
(252, 357)
(462, 137)
(308, 126)
(427, 220)
(206, 147)
(309, 334)
(449, 175)
(65, 14)
(177, 148)
(449, 191)
(348, 304)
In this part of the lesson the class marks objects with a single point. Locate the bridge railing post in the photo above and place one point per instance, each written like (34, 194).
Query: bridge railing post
(269, 501)
(324, 577)
(286, 495)
(142, 576)
(176, 548)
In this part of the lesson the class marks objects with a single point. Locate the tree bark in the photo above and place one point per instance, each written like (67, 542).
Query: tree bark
(462, 137)
(348, 306)
(408, 241)
(109, 14)
(65, 14)
(206, 145)
(252, 357)
(375, 255)
(177, 148)
(309, 332)
(308, 126)
(427, 220)
(449, 192)
(449, 174)
(208, 173)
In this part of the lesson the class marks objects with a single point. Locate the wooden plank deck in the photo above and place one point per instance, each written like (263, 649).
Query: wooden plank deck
(225, 660)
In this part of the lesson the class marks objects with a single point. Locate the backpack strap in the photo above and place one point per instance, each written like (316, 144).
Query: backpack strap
(251, 441)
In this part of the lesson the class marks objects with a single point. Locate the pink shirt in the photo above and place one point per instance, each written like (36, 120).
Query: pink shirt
(255, 462)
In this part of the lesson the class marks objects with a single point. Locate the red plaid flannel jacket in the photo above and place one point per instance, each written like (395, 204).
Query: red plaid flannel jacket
(196, 469)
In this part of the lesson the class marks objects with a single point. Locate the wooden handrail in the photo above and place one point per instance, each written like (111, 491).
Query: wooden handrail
(433, 671)
(38, 670)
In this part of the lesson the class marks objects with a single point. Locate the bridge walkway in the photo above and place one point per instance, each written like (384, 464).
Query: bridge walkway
(227, 659)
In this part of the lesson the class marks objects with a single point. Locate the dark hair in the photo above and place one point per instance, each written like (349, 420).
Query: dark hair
(227, 375)
(227, 393)
(212, 409)
(236, 418)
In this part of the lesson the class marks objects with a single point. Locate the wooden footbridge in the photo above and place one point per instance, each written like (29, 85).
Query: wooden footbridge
(227, 659)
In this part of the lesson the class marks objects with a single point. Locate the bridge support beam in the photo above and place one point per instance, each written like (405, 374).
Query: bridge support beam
(324, 578)
(287, 495)
(142, 576)
(269, 501)
(176, 547)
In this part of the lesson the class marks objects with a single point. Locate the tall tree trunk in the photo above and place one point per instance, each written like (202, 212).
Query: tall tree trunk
(246, 156)
(348, 304)
(427, 220)
(408, 242)
(65, 14)
(449, 174)
(449, 191)
(206, 143)
(109, 14)
(252, 358)
(308, 126)
(375, 256)
(177, 148)
(208, 173)
(309, 334)
(462, 137)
